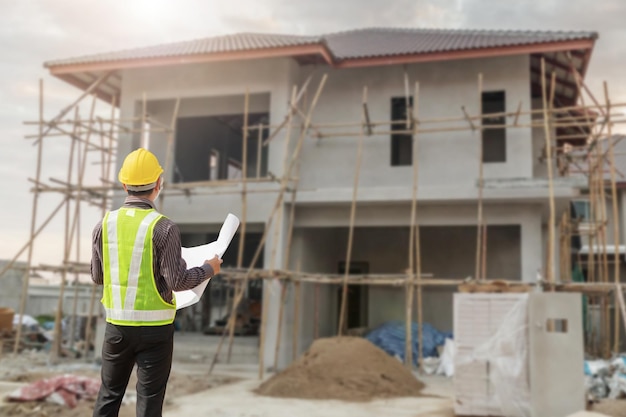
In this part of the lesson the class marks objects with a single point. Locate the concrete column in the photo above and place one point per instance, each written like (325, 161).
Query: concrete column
(279, 102)
(557, 252)
(531, 245)
(272, 295)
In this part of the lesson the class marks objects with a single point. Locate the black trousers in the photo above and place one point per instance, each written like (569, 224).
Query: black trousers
(149, 347)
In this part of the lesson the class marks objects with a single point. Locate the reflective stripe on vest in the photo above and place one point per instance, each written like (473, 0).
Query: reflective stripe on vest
(140, 315)
(128, 270)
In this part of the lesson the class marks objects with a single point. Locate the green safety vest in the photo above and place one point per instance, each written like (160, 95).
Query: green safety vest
(130, 295)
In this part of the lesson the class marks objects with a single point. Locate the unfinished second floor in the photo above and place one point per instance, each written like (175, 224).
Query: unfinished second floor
(228, 117)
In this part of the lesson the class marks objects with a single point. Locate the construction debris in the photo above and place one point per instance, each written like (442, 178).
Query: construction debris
(609, 408)
(606, 379)
(391, 337)
(343, 368)
(63, 390)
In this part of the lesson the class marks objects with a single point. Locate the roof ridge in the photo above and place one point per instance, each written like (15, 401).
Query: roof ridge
(291, 35)
(516, 32)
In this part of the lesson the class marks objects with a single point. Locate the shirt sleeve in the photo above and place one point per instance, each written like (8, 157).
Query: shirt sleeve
(174, 268)
(97, 275)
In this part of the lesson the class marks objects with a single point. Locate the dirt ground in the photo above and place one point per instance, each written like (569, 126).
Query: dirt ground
(343, 368)
(180, 383)
(612, 408)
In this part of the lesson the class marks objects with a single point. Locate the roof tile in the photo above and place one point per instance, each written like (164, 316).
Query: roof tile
(360, 43)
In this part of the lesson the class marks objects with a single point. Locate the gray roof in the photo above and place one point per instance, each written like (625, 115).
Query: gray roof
(388, 42)
(216, 44)
(360, 43)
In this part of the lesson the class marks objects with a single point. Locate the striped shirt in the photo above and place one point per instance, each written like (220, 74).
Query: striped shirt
(170, 269)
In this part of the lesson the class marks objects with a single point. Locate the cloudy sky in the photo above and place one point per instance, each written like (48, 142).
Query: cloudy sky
(32, 32)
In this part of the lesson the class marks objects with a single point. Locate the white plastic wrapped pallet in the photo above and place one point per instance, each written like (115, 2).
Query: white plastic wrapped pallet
(491, 357)
(518, 355)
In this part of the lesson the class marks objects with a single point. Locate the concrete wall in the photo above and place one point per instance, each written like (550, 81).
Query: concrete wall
(447, 159)
(528, 216)
(207, 89)
(11, 284)
(163, 111)
(42, 300)
(447, 252)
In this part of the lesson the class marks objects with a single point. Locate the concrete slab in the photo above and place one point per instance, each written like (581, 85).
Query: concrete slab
(197, 347)
(239, 400)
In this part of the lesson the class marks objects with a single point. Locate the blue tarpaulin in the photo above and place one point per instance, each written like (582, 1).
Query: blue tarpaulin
(390, 337)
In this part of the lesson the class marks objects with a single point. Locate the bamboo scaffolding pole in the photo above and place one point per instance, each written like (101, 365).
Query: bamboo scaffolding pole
(68, 246)
(413, 244)
(317, 134)
(619, 295)
(259, 151)
(467, 117)
(244, 182)
(614, 206)
(179, 188)
(579, 77)
(563, 250)
(407, 101)
(74, 230)
(355, 189)
(29, 262)
(391, 280)
(296, 313)
(592, 212)
(382, 133)
(483, 261)
(408, 293)
(64, 133)
(460, 119)
(117, 122)
(292, 109)
(604, 268)
(279, 199)
(106, 175)
(517, 113)
(69, 108)
(28, 244)
(606, 332)
(78, 224)
(548, 138)
(602, 232)
(481, 184)
(316, 312)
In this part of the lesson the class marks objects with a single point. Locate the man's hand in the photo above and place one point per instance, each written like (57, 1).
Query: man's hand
(215, 264)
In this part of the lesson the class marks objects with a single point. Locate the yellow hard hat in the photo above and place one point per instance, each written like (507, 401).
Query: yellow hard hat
(140, 168)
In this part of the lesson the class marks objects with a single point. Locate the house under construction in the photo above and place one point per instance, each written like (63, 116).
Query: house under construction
(374, 172)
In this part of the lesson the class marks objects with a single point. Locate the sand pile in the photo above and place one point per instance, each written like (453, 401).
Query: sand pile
(343, 368)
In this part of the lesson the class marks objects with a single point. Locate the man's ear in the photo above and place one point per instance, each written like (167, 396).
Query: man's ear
(125, 188)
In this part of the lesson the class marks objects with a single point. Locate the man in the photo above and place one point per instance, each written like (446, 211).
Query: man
(136, 255)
